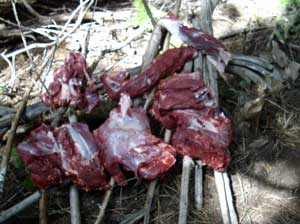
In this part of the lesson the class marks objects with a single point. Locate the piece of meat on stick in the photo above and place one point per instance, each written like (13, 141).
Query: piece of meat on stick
(184, 103)
(166, 64)
(126, 141)
(67, 151)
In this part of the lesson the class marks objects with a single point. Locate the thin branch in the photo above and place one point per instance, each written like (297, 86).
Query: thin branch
(198, 185)
(21, 33)
(149, 13)
(43, 208)
(6, 214)
(184, 189)
(62, 34)
(74, 204)
(105, 202)
(32, 11)
(149, 199)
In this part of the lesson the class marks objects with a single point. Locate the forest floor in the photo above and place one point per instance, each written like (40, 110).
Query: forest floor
(265, 170)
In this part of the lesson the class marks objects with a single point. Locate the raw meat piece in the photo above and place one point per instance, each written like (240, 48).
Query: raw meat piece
(69, 150)
(42, 157)
(80, 156)
(202, 132)
(198, 39)
(205, 136)
(126, 141)
(181, 91)
(65, 86)
(166, 64)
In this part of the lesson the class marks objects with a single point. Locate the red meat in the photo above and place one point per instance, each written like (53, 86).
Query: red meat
(126, 142)
(80, 156)
(166, 64)
(42, 156)
(69, 150)
(213, 48)
(202, 132)
(65, 87)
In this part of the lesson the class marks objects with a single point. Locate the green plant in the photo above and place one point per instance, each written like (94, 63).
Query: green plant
(17, 161)
(19, 166)
(140, 15)
(289, 2)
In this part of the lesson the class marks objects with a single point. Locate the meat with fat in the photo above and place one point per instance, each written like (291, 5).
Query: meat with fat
(126, 142)
(206, 43)
(67, 151)
(42, 156)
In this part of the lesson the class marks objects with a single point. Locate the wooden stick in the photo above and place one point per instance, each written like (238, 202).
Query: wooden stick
(225, 198)
(149, 199)
(184, 189)
(74, 204)
(105, 202)
(32, 11)
(5, 215)
(198, 194)
(43, 208)
(73, 193)
(149, 13)
(134, 217)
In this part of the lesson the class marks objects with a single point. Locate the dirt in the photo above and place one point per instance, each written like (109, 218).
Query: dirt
(265, 172)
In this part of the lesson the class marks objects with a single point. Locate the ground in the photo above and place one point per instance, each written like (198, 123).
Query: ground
(264, 172)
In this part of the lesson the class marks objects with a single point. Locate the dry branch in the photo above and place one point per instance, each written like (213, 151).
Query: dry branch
(149, 13)
(184, 189)
(5, 215)
(43, 208)
(134, 217)
(81, 10)
(74, 204)
(198, 185)
(105, 202)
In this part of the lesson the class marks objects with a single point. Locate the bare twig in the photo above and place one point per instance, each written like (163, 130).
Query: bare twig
(32, 11)
(4, 215)
(198, 185)
(184, 189)
(43, 208)
(149, 199)
(74, 195)
(149, 13)
(105, 202)
(83, 8)
(74, 204)
(134, 217)
(21, 33)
